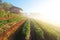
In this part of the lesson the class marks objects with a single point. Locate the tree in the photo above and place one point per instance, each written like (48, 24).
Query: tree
(6, 6)
(0, 2)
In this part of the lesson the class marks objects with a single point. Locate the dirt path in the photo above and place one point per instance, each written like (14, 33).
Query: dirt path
(32, 34)
(5, 35)
(18, 34)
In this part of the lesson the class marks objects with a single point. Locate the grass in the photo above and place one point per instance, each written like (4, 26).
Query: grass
(26, 29)
(7, 15)
(38, 30)
(3, 22)
(48, 28)
(9, 22)
(9, 19)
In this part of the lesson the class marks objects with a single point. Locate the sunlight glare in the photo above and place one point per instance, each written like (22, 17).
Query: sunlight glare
(50, 13)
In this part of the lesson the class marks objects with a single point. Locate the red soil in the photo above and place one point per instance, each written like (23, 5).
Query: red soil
(11, 31)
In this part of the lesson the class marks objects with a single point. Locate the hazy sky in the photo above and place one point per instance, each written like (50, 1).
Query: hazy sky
(28, 5)
(49, 10)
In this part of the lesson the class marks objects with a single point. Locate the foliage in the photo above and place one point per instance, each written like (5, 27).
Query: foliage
(48, 29)
(3, 22)
(3, 14)
(26, 29)
(6, 6)
(38, 30)
(0, 2)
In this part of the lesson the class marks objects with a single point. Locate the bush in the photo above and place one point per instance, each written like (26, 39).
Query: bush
(3, 14)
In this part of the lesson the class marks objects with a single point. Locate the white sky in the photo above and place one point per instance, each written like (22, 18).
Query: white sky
(49, 12)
